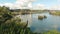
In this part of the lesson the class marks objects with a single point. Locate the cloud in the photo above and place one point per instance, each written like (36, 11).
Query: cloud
(22, 4)
(39, 7)
(55, 7)
(28, 4)
(10, 5)
(25, 3)
(1, 4)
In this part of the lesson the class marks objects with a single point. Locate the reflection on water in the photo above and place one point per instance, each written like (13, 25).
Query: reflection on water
(26, 18)
(50, 23)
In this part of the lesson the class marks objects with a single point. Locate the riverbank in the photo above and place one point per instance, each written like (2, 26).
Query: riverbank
(27, 12)
(57, 13)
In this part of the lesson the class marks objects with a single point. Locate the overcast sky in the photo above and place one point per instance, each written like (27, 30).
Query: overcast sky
(31, 4)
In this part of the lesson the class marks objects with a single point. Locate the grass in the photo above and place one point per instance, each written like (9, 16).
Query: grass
(55, 13)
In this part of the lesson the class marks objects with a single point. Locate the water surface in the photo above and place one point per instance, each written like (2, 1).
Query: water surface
(50, 23)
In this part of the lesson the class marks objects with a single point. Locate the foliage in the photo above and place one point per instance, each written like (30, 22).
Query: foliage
(51, 32)
(5, 14)
(57, 13)
(10, 25)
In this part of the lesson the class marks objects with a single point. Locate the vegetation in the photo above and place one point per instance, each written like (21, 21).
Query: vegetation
(51, 32)
(55, 13)
(26, 11)
(11, 25)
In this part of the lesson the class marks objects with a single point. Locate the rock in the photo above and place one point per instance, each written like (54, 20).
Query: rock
(42, 17)
(45, 16)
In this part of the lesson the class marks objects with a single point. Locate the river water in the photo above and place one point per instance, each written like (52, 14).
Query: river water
(50, 23)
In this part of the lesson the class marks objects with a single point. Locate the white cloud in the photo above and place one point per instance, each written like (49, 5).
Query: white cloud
(55, 7)
(27, 4)
(39, 7)
(19, 4)
(1, 4)
(24, 3)
(8, 5)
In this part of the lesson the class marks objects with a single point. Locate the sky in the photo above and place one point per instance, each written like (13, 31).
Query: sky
(31, 4)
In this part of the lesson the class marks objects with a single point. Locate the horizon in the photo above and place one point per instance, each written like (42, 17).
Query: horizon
(31, 4)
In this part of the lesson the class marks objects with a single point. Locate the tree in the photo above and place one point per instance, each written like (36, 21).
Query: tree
(10, 25)
(5, 14)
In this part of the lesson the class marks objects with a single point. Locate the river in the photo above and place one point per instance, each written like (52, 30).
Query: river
(50, 23)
